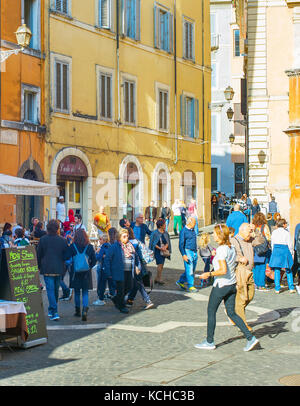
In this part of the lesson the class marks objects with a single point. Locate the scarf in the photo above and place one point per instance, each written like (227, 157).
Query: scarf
(128, 250)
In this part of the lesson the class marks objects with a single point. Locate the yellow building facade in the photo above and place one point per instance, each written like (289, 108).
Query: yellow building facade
(128, 105)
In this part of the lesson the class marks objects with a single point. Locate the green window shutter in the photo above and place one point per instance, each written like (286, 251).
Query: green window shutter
(196, 118)
(138, 20)
(171, 33)
(183, 114)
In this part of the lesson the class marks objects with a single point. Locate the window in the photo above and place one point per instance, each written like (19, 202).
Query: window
(236, 34)
(214, 179)
(32, 20)
(62, 86)
(129, 102)
(214, 129)
(163, 110)
(188, 42)
(239, 178)
(61, 6)
(213, 75)
(131, 14)
(163, 29)
(30, 104)
(106, 96)
(30, 107)
(105, 14)
(189, 116)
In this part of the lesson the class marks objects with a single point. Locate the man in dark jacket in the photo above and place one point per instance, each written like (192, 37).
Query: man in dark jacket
(151, 215)
(140, 229)
(188, 250)
(52, 252)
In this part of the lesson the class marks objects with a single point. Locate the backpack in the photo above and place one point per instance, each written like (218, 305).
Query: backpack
(80, 261)
(262, 247)
(147, 254)
(297, 245)
(21, 242)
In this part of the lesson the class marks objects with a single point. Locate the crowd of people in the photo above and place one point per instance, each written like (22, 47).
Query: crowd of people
(253, 251)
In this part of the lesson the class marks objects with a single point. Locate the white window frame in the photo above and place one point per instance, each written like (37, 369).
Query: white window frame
(25, 88)
(65, 60)
(133, 79)
(109, 72)
(69, 7)
(190, 21)
(111, 15)
(164, 88)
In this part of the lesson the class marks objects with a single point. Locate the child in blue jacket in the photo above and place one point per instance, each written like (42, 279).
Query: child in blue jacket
(103, 280)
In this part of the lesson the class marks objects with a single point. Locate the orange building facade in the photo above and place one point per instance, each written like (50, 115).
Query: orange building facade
(293, 131)
(22, 107)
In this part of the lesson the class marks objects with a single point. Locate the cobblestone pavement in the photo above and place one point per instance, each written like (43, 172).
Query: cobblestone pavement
(156, 347)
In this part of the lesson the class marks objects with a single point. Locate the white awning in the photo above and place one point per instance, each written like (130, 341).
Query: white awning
(11, 185)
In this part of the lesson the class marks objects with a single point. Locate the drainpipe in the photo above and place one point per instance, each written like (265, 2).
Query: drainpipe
(175, 84)
(203, 85)
(0, 65)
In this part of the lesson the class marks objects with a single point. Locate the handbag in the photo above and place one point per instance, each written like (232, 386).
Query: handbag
(164, 253)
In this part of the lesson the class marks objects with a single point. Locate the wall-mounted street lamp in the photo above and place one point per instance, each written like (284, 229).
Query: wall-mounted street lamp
(229, 93)
(23, 35)
(232, 139)
(229, 113)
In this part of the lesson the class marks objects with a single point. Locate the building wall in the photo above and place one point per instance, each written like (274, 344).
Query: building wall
(104, 145)
(21, 145)
(268, 25)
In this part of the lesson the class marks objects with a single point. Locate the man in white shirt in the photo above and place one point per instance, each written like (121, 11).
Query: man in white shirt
(176, 208)
(61, 210)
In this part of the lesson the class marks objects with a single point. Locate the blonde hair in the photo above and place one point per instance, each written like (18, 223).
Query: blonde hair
(204, 240)
(123, 231)
(222, 232)
(255, 202)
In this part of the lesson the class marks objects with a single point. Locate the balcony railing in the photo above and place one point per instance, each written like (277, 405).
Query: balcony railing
(214, 42)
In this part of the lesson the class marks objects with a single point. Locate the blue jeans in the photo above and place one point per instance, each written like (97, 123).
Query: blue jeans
(52, 286)
(138, 285)
(167, 224)
(259, 275)
(102, 282)
(190, 266)
(289, 276)
(85, 297)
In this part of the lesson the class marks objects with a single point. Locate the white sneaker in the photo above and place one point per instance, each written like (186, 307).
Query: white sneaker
(99, 303)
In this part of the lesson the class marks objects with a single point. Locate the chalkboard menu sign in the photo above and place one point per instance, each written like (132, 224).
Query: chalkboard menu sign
(19, 282)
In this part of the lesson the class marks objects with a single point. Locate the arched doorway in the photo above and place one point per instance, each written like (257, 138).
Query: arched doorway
(162, 188)
(131, 191)
(189, 185)
(71, 175)
(131, 187)
(31, 204)
(161, 185)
